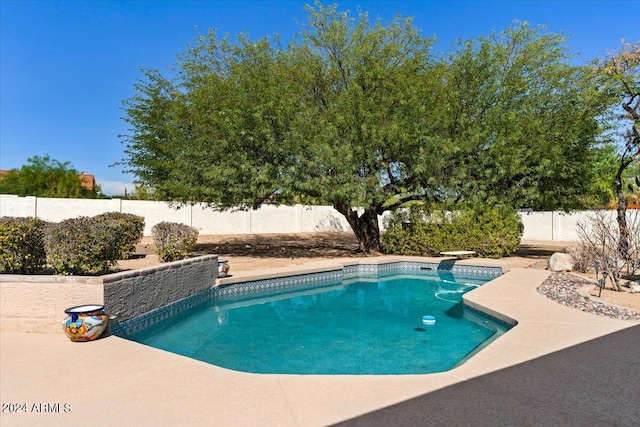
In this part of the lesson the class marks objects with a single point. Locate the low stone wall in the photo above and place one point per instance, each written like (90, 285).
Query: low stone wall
(139, 291)
(36, 303)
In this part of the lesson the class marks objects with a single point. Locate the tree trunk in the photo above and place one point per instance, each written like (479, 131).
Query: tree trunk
(364, 226)
(615, 281)
(631, 152)
(623, 243)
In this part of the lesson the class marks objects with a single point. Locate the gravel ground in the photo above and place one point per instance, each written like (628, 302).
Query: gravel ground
(565, 289)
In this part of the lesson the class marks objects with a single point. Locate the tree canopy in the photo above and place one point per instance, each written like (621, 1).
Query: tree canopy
(363, 116)
(46, 177)
(619, 77)
(522, 122)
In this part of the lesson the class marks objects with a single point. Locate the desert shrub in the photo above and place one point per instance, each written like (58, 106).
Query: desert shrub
(173, 241)
(128, 229)
(81, 245)
(22, 245)
(583, 257)
(491, 232)
(615, 255)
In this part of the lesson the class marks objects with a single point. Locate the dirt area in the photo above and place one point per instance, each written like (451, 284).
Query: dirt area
(622, 299)
(254, 252)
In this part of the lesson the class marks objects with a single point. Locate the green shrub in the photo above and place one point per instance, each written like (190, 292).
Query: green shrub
(81, 246)
(491, 232)
(173, 241)
(22, 245)
(128, 229)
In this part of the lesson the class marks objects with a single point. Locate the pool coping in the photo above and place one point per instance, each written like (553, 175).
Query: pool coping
(145, 386)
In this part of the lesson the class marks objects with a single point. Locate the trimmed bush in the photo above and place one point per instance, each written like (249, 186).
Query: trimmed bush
(22, 245)
(128, 229)
(81, 246)
(173, 241)
(491, 232)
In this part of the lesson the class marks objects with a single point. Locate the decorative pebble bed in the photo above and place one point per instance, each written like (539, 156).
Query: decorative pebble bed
(564, 289)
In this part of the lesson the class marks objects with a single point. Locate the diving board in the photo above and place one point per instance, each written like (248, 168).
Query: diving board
(458, 254)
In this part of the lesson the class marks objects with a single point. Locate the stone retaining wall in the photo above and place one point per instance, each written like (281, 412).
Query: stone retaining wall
(36, 303)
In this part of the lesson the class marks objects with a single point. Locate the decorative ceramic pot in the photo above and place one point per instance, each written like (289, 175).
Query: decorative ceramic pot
(85, 322)
(223, 268)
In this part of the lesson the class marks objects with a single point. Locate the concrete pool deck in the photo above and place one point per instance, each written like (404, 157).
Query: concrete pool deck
(119, 382)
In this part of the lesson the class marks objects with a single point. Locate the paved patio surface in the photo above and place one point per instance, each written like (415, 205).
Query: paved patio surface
(558, 366)
(596, 383)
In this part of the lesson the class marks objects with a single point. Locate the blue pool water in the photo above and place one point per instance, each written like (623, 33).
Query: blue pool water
(360, 326)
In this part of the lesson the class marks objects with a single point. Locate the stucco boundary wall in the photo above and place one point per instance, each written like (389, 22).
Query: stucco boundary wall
(36, 303)
(267, 219)
(547, 226)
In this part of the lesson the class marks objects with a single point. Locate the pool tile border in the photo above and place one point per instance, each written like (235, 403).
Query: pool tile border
(276, 286)
(414, 267)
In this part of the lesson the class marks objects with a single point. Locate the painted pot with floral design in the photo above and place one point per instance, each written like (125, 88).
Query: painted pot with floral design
(85, 322)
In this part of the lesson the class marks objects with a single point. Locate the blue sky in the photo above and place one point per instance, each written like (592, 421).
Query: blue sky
(67, 66)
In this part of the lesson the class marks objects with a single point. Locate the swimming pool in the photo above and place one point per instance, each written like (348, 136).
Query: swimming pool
(339, 322)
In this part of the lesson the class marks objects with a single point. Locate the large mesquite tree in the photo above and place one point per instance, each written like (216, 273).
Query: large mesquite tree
(362, 116)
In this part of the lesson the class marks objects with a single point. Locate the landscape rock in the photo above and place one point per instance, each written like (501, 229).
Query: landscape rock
(560, 262)
(565, 290)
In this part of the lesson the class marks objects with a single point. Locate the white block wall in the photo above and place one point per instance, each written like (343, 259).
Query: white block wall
(155, 212)
(18, 206)
(265, 220)
(209, 222)
(546, 226)
(537, 225)
(556, 226)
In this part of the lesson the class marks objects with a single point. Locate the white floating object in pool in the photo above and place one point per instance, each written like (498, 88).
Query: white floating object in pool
(428, 320)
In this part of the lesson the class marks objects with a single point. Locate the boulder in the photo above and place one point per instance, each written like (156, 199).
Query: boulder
(560, 262)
